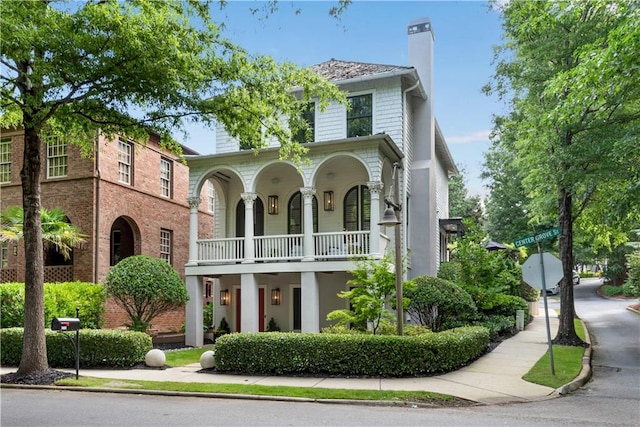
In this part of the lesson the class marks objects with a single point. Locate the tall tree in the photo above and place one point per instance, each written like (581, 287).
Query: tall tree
(75, 69)
(461, 204)
(571, 70)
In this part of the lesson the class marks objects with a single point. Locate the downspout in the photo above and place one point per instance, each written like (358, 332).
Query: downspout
(405, 173)
(96, 231)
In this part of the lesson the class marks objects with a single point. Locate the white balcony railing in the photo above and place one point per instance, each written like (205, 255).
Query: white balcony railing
(327, 246)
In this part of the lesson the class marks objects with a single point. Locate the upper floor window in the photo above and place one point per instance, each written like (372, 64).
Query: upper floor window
(360, 116)
(165, 177)
(5, 160)
(56, 157)
(309, 116)
(165, 244)
(125, 161)
(211, 197)
(357, 209)
(295, 210)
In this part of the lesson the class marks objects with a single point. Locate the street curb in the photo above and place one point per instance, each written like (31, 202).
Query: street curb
(585, 373)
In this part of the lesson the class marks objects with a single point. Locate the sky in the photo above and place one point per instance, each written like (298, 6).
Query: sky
(465, 32)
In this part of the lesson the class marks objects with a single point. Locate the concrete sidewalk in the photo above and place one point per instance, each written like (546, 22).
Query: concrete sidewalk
(493, 379)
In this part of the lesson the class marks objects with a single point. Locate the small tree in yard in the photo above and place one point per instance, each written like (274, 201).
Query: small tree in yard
(434, 301)
(374, 282)
(145, 287)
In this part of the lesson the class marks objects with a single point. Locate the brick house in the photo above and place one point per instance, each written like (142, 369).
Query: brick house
(286, 237)
(128, 199)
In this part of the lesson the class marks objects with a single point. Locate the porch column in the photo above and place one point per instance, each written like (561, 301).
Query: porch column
(310, 295)
(307, 220)
(250, 299)
(194, 202)
(249, 253)
(375, 188)
(193, 318)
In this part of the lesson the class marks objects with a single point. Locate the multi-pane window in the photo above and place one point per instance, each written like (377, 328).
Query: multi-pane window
(165, 177)
(211, 197)
(4, 255)
(125, 161)
(360, 116)
(56, 157)
(165, 245)
(308, 116)
(5, 160)
(295, 210)
(357, 209)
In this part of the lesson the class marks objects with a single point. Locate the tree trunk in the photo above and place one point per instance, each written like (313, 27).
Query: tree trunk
(34, 350)
(566, 330)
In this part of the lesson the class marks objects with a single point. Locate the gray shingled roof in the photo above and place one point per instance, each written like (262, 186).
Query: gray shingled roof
(335, 69)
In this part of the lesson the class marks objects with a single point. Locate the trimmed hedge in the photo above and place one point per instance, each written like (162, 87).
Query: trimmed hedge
(60, 300)
(98, 348)
(361, 355)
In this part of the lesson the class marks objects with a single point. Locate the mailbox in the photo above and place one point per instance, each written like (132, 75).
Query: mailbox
(65, 324)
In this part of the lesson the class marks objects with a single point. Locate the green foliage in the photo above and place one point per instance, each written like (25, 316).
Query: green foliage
(224, 326)
(207, 316)
(632, 284)
(145, 287)
(273, 326)
(433, 302)
(505, 305)
(60, 300)
(343, 354)
(482, 273)
(375, 286)
(56, 230)
(461, 205)
(98, 348)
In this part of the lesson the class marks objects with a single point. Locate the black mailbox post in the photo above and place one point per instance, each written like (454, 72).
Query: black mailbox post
(65, 324)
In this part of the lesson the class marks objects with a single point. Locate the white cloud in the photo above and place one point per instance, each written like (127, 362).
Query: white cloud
(477, 136)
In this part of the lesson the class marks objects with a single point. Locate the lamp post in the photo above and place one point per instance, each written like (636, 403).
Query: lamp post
(391, 218)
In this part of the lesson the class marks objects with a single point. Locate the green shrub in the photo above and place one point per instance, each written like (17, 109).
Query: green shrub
(631, 286)
(434, 301)
(342, 354)
(273, 326)
(60, 300)
(98, 348)
(145, 287)
(505, 305)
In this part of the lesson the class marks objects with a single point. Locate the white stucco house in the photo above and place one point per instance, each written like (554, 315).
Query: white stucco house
(285, 238)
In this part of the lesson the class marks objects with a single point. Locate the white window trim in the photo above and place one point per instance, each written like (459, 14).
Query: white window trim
(371, 92)
(6, 161)
(166, 182)
(122, 142)
(166, 242)
(57, 143)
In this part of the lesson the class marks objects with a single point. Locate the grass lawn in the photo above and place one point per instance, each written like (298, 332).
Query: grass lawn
(567, 361)
(185, 357)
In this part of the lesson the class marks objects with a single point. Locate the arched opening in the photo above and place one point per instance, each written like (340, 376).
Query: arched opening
(357, 209)
(258, 218)
(122, 241)
(294, 214)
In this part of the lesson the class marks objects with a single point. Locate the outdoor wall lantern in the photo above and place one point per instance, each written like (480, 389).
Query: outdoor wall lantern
(224, 297)
(328, 200)
(273, 205)
(275, 296)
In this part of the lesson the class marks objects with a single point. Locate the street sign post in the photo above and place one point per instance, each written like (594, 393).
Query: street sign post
(538, 270)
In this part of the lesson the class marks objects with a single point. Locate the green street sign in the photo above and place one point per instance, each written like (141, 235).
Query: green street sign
(530, 240)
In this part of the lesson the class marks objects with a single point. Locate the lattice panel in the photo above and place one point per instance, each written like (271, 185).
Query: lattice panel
(8, 275)
(61, 273)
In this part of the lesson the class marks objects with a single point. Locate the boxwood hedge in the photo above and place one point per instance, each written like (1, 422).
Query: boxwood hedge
(340, 354)
(98, 348)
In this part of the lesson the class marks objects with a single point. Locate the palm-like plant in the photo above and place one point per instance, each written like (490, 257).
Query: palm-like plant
(56, 229)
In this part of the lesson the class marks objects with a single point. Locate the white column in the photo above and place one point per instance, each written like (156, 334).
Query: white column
(375, 188)
(307, 220)
(194, 332)
(249, 305)
(193, 230)
(310, 295)
(249, 253)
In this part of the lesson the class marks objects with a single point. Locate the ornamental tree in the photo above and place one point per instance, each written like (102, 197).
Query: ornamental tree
(145, 287)
(72, 69)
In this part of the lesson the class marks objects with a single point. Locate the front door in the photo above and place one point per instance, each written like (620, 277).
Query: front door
(261, 314)
(238, 307)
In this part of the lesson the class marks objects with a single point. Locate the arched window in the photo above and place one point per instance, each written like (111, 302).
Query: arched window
(357, 209)
(294, 213)
(258, 218)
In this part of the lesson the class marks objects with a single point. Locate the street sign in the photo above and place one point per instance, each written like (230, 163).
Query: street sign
(532, 270)
(529, 240)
